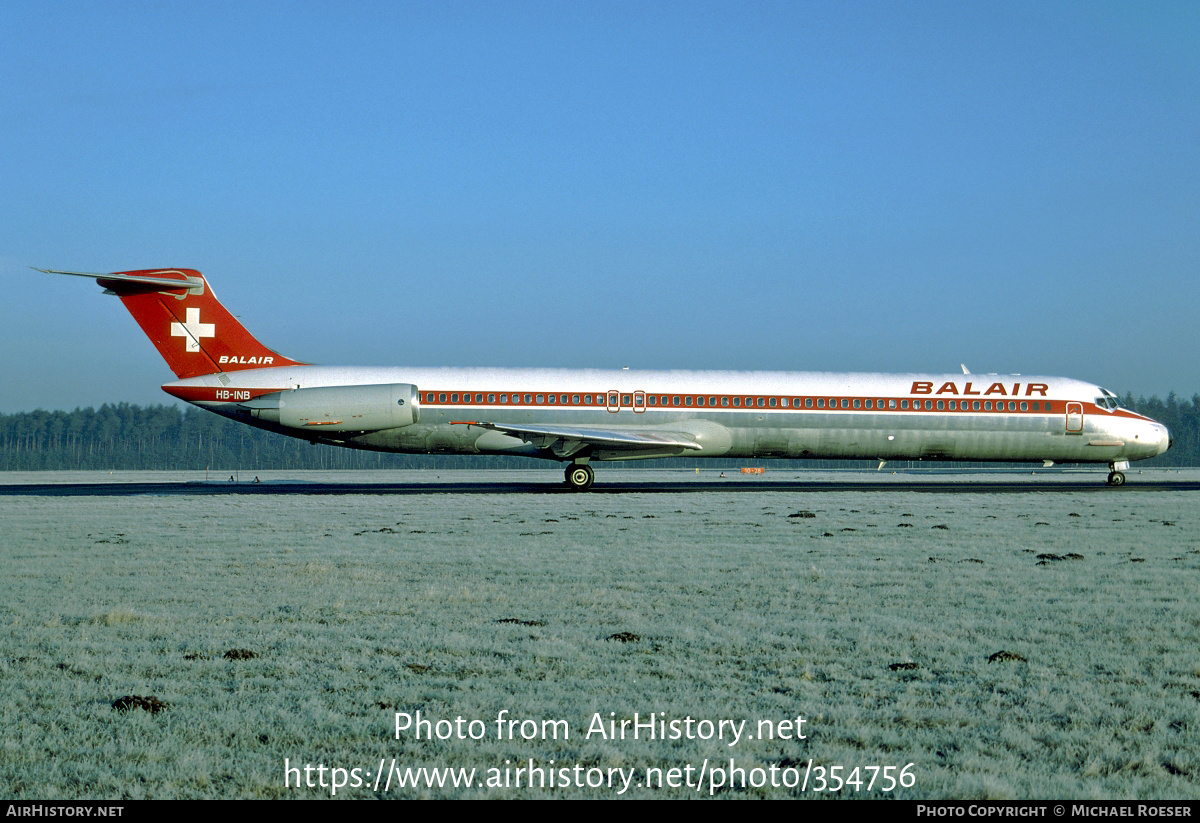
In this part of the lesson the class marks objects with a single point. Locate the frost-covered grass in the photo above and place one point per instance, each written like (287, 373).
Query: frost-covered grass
(359, 607)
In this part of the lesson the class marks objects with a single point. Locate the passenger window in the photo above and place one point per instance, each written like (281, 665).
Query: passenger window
(625, 400)
(712, 401)
(737, 401)
(528, 398)
(808, 402)
(891, 404)
(724, 401)
(904, 404)
(845, 402)
(1012, 405)
(857, 403)
(868, 404)
(675, 400)
(928, 405)
(491, 398)
(687, 401)
(941, 405)
(771, 403)
(442, 398)
(820, 402)
(975, 405)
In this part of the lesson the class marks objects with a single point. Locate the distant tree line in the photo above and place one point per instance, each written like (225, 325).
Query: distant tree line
(125, 436)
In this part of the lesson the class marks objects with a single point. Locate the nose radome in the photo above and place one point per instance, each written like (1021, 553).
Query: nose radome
(1165, 440)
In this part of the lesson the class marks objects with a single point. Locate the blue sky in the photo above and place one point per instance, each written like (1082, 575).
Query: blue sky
(812, 186)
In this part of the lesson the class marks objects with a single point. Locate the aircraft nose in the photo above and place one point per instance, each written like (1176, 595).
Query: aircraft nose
(1164, 440)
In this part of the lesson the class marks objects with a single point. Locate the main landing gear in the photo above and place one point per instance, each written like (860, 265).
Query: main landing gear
(1116, 475)
(580, 476)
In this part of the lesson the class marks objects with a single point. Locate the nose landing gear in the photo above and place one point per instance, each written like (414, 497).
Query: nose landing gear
(1116, 474)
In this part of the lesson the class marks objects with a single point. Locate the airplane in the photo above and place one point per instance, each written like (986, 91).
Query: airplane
(578, 416)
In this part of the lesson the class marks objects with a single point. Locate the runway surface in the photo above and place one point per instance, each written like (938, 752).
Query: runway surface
(1090, 483)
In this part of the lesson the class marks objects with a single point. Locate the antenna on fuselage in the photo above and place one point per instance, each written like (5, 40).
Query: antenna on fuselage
(963, 366)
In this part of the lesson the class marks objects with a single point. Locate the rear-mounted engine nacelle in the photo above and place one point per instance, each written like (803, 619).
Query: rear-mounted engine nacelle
(340, 408)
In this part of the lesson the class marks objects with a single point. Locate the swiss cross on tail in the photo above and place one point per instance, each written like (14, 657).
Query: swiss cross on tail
(170, 304)
(193, 330)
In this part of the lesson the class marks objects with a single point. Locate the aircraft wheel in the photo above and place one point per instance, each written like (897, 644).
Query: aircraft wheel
(1116, 479)
(580, 476)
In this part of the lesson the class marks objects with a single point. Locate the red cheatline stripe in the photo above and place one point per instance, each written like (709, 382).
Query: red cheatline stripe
(749, 401)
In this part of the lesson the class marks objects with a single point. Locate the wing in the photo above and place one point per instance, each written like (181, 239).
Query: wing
(566, 440)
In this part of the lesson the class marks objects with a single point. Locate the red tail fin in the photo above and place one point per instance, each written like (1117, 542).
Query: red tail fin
(193, 332)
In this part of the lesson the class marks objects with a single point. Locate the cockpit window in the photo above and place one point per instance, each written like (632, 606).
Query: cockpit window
(1108, 401)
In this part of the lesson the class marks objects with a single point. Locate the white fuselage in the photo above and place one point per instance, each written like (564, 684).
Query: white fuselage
(725, 413)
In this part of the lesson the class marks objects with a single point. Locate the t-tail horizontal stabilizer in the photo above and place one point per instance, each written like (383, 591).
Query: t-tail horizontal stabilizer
(178, 311)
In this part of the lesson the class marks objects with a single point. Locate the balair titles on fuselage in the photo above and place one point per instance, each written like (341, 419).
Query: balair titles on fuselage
(951, 387)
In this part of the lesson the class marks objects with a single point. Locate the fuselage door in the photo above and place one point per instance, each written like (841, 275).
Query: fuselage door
(1074, 418)
(614, 402)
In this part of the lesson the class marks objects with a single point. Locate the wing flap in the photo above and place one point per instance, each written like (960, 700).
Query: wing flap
(614, 438)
